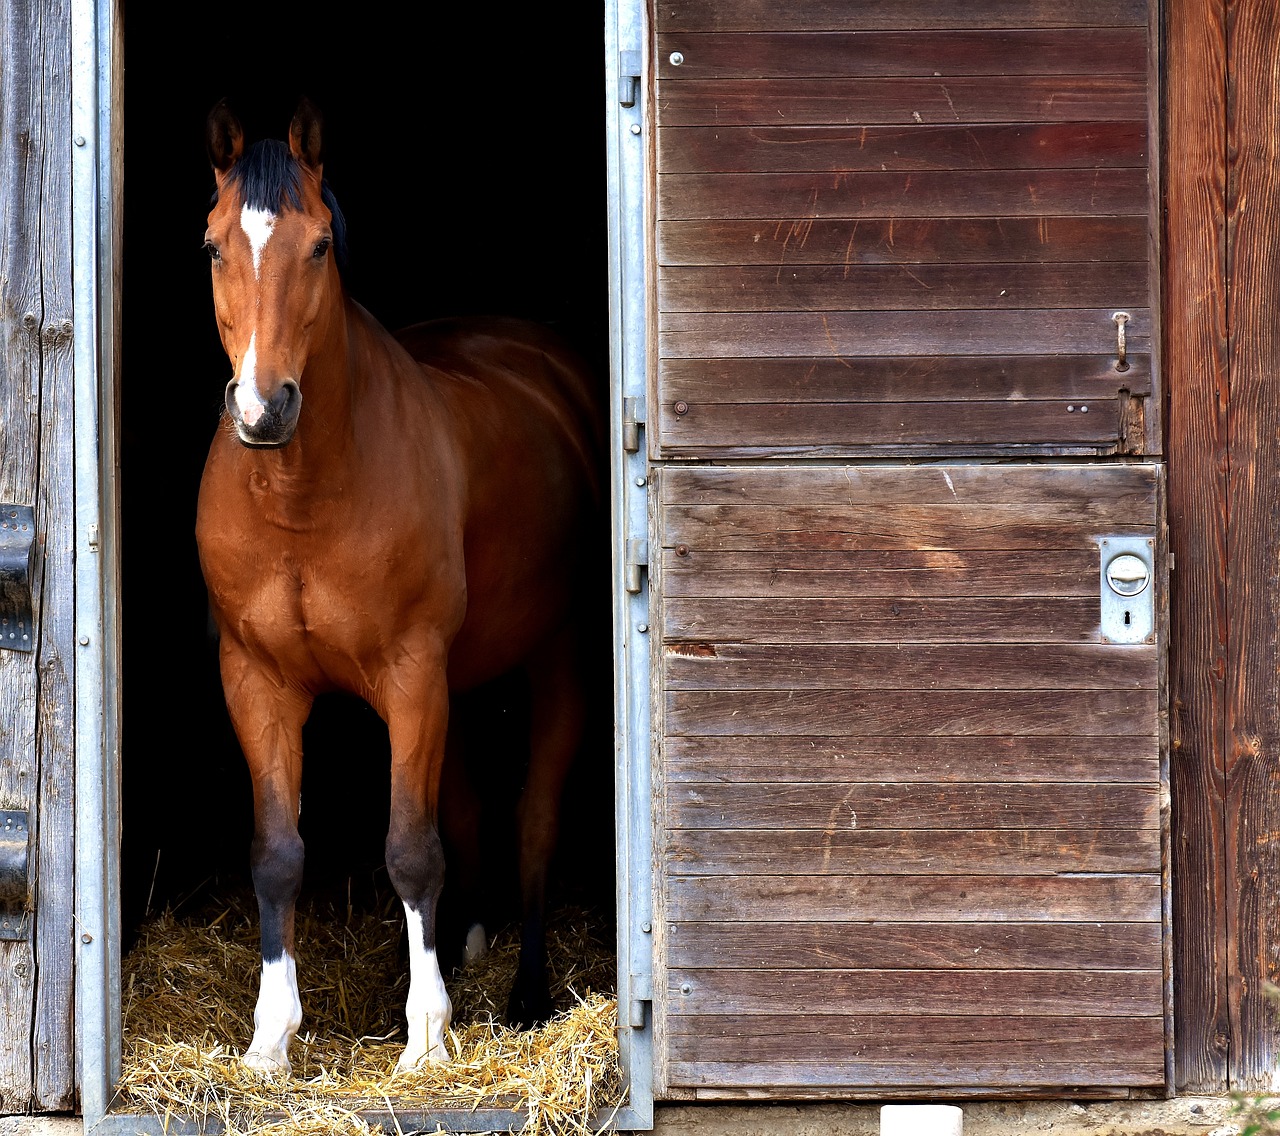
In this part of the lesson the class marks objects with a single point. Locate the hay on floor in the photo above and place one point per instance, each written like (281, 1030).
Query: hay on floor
(189, 986)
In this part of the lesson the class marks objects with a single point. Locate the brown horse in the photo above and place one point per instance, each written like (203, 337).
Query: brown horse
(396, 517)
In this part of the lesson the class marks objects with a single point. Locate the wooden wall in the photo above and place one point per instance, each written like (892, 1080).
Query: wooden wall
(1222, 355)
(37, 1052)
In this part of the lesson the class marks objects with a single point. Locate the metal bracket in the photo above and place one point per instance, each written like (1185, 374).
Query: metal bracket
(17, 547)
(641, 996)
(15, 833)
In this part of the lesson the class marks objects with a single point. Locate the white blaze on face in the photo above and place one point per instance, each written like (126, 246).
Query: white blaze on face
(276, 1017)
(257, 225)
(249, 402)
(428, 1007)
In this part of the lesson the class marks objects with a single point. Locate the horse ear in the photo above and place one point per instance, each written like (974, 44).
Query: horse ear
(304, 134)
(224, 137)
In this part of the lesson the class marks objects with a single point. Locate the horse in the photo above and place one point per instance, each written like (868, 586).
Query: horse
(398, 517)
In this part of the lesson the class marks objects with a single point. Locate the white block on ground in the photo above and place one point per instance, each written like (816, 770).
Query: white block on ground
(921, 1120)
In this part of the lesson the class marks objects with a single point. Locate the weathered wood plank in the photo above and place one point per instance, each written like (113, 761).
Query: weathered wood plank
(913, 946)
(845, 851)
(839, 15)
(894, 287)
(959, 525)
(1069, 993)
(697, 335)
(954, 427)
(935, 712)
(915, 899)
(953, 98)
(1068, 488)
(1195, 360)
(1252, 690)
(1068, 572)
(868, 241)
(903, 1038)
(906, 759)
(884, 194)
(962, 666)
(840, 1080)
(788, 148)
(837, 807)
(1070, 378)
(765, 55)
(1024, 619)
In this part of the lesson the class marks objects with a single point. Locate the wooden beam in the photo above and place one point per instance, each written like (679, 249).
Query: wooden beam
(1195, 355)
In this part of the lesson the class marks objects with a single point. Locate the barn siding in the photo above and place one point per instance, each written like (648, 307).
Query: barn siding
(903, 229)
(910, 804)
(37, 1055)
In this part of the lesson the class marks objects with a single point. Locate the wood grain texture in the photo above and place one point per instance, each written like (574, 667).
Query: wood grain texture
(893, 287)
(949, 99)
(1102, 50)
(838, 15)
(926, 667)
(864, 241)
(843, 149)
(909, 851)
(915, 946)
(907, 758)
(915, 899)
(885, 194)
(1252, 689)
(37, 1050)
(1195, 354)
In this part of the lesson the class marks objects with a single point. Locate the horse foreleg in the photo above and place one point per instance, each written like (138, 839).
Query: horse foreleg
(415, 860)
(268, 722)
(557, 714)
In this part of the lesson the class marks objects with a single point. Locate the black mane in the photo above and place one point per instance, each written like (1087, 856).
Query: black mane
(269, 178)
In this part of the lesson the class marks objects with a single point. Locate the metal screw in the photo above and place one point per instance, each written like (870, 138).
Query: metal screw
(642, 628)
(646, 926)
(640, 482)
(1084, 410)
(84, 640)
(635, 128)
(682, 550)
(685, 988)
(681, 407)
(86, 938)
(79, 139)
(1070, 409)
(676, 59)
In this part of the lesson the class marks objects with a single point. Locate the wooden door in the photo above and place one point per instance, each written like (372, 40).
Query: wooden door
(910, 798)
(37, 1050)
(910, 792)
(903, 228)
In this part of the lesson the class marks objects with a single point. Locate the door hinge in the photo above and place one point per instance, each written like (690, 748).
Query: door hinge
(632, 420)
(17, 548)
(637, 561)
(641, 996)
(15, 845)
(628, 77)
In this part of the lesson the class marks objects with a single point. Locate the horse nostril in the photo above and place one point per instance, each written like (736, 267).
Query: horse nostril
(286, 399)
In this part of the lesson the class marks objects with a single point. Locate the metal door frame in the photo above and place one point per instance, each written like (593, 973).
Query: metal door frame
(96, 146)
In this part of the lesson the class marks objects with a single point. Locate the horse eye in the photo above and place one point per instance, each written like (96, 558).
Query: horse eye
(322, 247)
(215, 253)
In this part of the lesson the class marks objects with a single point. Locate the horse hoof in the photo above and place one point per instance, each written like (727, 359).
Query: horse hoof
(410, 1061)
(267, 1064)
(477, 945)
(528, 1008)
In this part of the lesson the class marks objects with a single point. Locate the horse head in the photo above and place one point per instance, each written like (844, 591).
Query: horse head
(271, 242)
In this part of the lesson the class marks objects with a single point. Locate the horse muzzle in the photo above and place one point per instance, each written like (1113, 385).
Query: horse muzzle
(264, 424)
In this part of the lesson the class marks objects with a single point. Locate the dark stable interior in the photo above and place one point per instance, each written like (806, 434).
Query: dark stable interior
(467, 153)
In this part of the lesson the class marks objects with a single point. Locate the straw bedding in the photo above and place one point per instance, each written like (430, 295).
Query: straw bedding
(189, 985)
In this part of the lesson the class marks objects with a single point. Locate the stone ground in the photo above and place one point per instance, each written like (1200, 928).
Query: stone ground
(1184, 1116)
